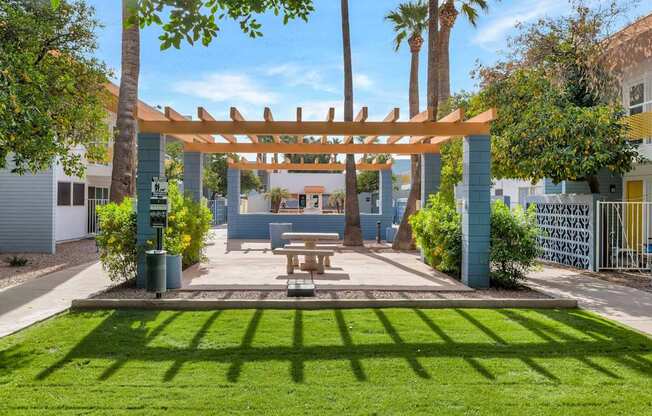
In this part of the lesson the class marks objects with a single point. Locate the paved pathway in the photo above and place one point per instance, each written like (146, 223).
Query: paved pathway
(626, 305)
(39, 299)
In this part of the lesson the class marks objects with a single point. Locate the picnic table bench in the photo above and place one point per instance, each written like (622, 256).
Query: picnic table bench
(290, 253)
(310, 241)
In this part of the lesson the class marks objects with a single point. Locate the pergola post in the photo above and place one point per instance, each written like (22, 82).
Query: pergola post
(385, 189)
(233, 199)
(193, 167)
(476, 211)
(151, 158)
(430, 175)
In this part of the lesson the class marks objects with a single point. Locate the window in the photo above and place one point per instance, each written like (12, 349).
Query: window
(498, 192)
(78, 194)
(636, 98)
(63, 193)
(95, 192)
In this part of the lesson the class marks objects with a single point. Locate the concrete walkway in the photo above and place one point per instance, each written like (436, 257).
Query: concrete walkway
(629, 306)
(39, 299)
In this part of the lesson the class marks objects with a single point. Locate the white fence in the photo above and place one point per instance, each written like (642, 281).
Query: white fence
(93, 221)
(623, 235)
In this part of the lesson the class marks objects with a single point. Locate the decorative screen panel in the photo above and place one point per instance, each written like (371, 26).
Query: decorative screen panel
(566, 233)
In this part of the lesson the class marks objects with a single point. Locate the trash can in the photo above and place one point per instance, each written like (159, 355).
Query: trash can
(156, 275)
(173, 271)
(276, 229)
(390, 234)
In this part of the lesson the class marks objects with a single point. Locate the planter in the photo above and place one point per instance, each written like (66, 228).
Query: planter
(173, 271)
(275, 232)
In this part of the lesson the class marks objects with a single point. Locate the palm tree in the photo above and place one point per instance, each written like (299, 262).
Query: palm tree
(433, 58)
(123, 175)
(336, 200)
(410, 20)
(276, 195)
(352, 230)
(448, 13)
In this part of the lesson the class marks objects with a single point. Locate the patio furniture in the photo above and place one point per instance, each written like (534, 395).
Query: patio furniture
(290, 253)
(310, 241)
(276, 231)
(327, 259)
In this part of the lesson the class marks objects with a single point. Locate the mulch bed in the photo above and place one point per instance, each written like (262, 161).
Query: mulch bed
(128, 291)
(67, 255)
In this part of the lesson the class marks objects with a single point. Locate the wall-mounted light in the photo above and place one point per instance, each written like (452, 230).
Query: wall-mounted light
(612, 188)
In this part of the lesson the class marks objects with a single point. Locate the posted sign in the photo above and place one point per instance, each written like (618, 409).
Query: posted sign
(158, 203)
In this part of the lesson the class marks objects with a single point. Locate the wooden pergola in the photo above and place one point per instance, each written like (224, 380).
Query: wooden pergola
(418, 135)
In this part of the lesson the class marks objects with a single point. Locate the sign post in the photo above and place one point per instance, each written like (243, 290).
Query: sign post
(158, 219)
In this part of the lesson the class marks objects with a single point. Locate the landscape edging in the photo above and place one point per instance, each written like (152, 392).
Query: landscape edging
(214, 304)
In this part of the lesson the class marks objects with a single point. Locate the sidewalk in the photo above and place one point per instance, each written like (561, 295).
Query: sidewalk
(38, 299)
(629, 306)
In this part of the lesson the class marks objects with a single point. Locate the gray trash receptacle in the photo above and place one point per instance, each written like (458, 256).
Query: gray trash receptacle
(276, 229)
(173, 271)
(156, 276)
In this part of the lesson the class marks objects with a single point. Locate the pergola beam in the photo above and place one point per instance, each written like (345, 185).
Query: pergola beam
(237, 117)
(172, 114)
(456, 116)
(422, 117)
(204, 115)
(330, 117)
(307, 166)
(362, 116)
(267, 115)
(392, 117)
(311, 148)
(486, 117)
(317, 128)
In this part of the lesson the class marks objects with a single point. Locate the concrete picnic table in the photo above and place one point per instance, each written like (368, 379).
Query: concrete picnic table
(310, 240)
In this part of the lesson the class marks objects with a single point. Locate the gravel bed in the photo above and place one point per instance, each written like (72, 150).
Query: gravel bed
(128, 291)
(39, 264)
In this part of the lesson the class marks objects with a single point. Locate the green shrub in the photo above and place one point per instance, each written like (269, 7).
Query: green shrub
(117, 240)
(176, 237)
(16, 261)
(198, 225)
(438, 232)
(514, 244)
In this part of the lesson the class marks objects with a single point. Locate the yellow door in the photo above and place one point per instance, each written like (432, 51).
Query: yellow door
(634, 193)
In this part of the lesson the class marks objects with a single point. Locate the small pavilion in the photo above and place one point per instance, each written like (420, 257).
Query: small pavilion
(419, 135)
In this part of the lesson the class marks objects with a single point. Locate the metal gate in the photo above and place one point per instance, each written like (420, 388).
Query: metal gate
(93, 224)
(623, 235)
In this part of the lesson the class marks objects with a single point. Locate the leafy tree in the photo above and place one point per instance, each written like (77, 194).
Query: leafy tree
(410, 20)
(174, 161)
(558, 116)
(180, 20)
(52, 95)
(336, 200)
(215, 175)
(368, 181)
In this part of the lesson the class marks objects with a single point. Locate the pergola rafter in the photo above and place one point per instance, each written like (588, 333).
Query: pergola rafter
(420, 128)
(307, 166)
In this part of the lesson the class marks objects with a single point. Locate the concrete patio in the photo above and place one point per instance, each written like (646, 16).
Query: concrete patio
(238, 264)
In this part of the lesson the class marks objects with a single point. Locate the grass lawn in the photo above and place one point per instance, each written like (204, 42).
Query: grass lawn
(391, 361)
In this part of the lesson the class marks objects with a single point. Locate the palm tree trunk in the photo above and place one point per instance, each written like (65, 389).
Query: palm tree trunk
(352, 230)
(444, 62)
(123, 175)
(447, 16)
(433, 61)
(404, 239)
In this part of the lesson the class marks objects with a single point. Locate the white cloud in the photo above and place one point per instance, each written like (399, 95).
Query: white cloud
(298, 75)
(317, 110)
(498, 28)
(227, 87)
(362, 81)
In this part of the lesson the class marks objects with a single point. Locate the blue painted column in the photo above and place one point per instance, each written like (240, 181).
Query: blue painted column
(476, 211)
(151, 157)
(193, 167)
(430, 175)
(385, 190)
(233, 201)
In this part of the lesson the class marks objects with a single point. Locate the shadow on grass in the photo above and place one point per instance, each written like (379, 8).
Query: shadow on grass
(580, 337)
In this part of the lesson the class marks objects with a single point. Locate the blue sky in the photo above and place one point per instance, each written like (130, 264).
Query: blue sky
(301, 64)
